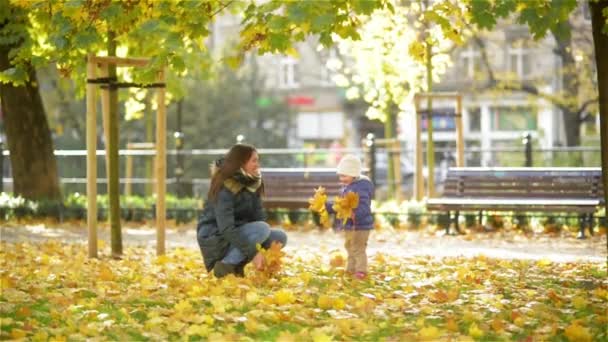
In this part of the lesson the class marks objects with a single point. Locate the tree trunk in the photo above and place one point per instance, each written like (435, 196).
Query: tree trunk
(570, 81)
(600, 41)
(29, 138)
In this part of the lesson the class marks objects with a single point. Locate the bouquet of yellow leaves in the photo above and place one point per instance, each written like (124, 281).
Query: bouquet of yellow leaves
(344, 206)
(317, 204)
(273, 259)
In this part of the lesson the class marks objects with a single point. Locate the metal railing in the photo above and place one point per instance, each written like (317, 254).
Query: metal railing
(196, 172)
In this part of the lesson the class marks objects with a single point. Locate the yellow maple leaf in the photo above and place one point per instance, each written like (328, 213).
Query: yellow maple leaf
(198, 329)
(317, 202)
(324, 302)
(283, 297)
(344, 206)
(579, 303)
(475, 331)
(429, 333)
(576, 332)
(286, 336)
(324, 219)
(451, 324)
(105, 273)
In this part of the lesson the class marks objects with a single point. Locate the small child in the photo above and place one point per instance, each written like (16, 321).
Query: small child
(357, 227)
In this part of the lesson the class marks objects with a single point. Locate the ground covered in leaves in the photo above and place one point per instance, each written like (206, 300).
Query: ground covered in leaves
(53, 291)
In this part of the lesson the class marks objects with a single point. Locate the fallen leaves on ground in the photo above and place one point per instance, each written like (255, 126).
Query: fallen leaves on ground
(53, 291)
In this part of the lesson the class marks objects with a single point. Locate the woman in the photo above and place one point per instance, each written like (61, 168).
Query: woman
(232, 223)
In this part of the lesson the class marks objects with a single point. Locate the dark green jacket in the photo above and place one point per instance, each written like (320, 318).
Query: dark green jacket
(218, 226)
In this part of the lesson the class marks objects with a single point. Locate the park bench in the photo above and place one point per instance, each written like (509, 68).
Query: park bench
(290, 188)
(518, 189)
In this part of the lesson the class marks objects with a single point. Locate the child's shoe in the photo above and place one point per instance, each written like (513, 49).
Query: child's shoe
(360, 275)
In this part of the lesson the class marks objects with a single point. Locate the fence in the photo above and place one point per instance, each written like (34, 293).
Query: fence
(188, 170)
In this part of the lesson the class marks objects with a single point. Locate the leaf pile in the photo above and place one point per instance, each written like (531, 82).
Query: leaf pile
(52, 291)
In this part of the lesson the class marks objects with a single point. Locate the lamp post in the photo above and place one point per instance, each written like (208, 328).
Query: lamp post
(178, 135)
(527, 141)
(370, 141)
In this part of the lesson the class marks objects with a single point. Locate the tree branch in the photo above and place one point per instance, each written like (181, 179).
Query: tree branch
(223, 7)
(494, 82)
(583, 107)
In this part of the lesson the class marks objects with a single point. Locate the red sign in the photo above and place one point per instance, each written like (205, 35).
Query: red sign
(300, 100)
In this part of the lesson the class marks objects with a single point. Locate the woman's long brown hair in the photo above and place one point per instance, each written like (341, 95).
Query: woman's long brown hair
(236, 158)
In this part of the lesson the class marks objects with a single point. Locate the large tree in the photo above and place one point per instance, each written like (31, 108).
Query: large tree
(577, 96)
(26, 127)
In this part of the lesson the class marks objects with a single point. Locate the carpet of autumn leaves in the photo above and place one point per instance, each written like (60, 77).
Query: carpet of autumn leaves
(53, 291)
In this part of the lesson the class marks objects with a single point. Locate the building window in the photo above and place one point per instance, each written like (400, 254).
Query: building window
(288, 73)
(327, 74)
(474, 116)
(586, 11)
(329, 125)
(520, 59)
(516, 118)
(471, 61)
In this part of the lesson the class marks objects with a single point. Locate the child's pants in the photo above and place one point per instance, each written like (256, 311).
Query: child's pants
(355, 242)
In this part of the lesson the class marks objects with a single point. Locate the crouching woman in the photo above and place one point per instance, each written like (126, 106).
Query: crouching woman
(232, 223)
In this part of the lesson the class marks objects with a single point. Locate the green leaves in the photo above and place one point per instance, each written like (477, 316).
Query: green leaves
(539, 16)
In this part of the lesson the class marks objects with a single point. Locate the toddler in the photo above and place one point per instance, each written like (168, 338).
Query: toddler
(358, 226)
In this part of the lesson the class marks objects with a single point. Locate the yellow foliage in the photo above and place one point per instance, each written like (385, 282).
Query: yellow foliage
(344, 206)
(475, 331)
(579, 303)
(283, 297)
(429, 333)
(337, 259)
(101, 299)
(272, 259)
(317, 202)
(451, 325)
(324, 302)
(577, 333)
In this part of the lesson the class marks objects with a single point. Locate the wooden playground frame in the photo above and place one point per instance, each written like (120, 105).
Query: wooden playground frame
(160, 165)
(419, 181)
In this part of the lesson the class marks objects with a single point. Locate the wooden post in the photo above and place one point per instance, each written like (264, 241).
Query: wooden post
(397, 168)
(161, 166)
(128, 171)
(459, 133)
(418, 177)
(91, 160)
(105, 114)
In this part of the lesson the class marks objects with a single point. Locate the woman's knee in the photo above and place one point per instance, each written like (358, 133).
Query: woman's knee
(256, 232)
(278, 236)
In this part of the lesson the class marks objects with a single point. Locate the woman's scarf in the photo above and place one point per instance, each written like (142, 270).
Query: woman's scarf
(250, 181)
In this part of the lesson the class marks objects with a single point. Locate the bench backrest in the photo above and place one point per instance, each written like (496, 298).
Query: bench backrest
(504, 182)
(292, 187)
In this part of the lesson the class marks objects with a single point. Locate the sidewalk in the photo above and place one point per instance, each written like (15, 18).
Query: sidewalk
(397, 243)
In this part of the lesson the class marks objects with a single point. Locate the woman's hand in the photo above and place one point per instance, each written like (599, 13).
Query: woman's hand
(259, 261)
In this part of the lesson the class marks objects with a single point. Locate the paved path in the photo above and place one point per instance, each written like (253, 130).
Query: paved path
(498, 245)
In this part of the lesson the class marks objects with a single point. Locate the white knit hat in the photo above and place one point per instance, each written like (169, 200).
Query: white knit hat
(349, 165)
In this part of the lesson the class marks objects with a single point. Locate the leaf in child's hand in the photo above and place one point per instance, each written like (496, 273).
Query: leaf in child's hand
(344, 206)
(317, 202)
(324, 219)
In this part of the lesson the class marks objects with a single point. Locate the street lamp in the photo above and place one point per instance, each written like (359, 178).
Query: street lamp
(370, 142)
(179, 165)
(527, 141)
